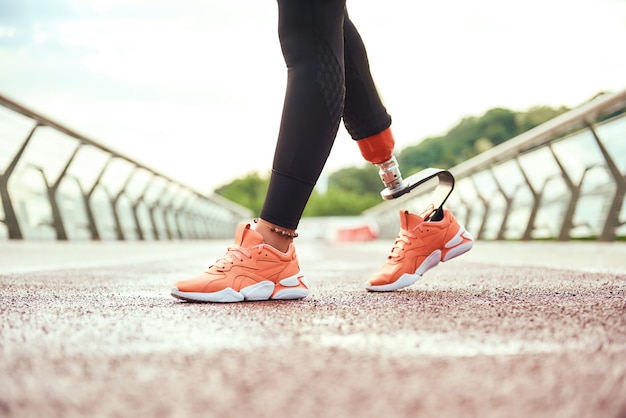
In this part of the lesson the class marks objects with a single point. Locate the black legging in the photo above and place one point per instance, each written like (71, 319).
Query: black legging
(328, 78)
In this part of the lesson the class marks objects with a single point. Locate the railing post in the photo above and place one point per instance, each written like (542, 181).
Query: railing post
(10, 219)
(51, 189)
(486, 205)
(612, 221)
(151, 209)
(530, 226)
(179, 212)
(135, 207)
(117, 227)
(167, 207)
(468, 210)
(509, 205)
(93, 228)
(56, 222)
(568, 218)
(114, 202)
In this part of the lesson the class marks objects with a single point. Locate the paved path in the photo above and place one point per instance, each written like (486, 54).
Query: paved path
(507, 330)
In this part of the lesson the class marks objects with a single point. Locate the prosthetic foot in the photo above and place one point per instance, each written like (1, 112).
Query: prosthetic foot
(378, 150)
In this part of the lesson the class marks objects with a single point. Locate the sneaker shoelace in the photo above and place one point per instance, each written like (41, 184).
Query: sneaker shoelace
(234, 253)
(404, 238)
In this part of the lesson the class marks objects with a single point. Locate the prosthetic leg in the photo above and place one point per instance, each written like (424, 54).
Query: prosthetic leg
(378, 150)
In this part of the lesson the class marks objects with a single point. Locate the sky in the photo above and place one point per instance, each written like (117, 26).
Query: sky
(194, 89)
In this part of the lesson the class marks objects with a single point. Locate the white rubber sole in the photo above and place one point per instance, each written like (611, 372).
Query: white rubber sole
(256, 292)
(407, 279)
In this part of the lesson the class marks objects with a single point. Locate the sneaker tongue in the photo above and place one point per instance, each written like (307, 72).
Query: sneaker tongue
(427, 213)
(246, 237)
(409, 220)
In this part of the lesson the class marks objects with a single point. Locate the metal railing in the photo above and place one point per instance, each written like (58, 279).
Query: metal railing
(564, 179)
(58, 184)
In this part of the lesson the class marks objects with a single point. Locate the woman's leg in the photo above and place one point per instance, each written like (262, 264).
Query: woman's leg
(364, 114)
(312, 40)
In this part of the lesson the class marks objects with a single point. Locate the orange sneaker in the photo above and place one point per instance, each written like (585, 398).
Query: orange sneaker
(250, 270)
(420, 246)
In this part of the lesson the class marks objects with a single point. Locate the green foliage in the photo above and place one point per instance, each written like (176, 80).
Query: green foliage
(497, 125)
(482, 145)
(358, 180)
(352, 190)
(337, 202)
(422, 155)
(248, 191)
(472, 136)
(537, 115)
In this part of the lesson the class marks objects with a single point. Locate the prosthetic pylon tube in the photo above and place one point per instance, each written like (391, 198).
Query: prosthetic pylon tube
(378, 150)
(389, 172)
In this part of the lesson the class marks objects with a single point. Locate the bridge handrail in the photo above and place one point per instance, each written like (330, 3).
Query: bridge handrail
(11, 220)
(582, 119)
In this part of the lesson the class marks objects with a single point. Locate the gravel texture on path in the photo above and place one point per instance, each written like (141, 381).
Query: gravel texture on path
(91, 330)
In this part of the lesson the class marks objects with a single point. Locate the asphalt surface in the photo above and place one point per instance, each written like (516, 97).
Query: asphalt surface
(507, 330)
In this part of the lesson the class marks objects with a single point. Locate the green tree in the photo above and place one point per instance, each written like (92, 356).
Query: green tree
(248, 191)
(537, 115)
(337, 202)
(497, 125)
(471, 136)
(360, 180)
(428, 153)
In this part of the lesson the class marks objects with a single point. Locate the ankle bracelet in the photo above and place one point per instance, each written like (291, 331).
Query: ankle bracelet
(277, 230)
